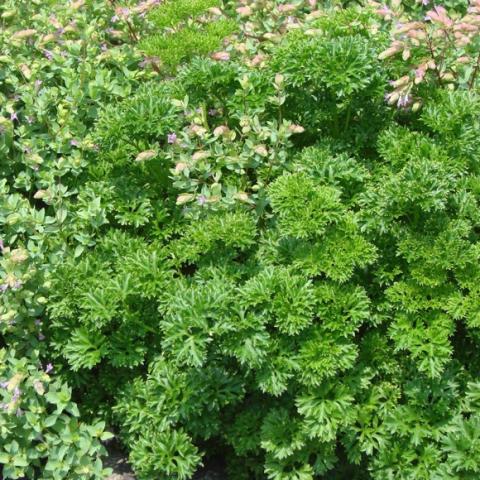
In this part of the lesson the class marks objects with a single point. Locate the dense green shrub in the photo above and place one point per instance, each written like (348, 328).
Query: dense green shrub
(182, 30)
(41, 435)
(60, 63)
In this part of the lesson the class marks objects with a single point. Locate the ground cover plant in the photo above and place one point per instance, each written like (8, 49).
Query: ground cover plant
(240, 229)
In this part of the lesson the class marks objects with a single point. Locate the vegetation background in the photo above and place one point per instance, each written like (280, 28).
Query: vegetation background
(246, 230)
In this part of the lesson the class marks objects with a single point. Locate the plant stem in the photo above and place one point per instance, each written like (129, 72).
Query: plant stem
(474, 73)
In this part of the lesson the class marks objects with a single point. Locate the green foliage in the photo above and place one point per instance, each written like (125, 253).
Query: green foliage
(188, 42)
(186, 29)
(258, 257)
(41, 436)
(170, 13)
(344, 83)
(60, 64)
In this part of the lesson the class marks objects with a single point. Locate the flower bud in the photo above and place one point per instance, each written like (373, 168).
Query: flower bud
(244, 11)
(25, 69)
(221, 56)
(416, 106)
(221, 130)
(30, 32)
(296, 128)
(19, 255)
(201, 155)
(146, 155)
(184, 198)
(242, 196)
(261, 150)
(39, 194)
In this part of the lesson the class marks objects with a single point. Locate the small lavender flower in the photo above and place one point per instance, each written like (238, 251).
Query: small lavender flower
(38, 322)
(212, 112)
(202, 200)
(172, 138)
(115, 19)
(2, 245)
(425, 2)
(48, 54)
(41, 337)
(4, 406)
(103, 47)
(13, 116)
(17, 284)
(4, 384)
(403, 101)
(48, 368)
(3, 287)
(16, 394)
(74, 143)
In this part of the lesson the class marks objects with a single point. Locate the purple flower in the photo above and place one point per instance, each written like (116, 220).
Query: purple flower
(403, 101)
(3, 287)
(60, 31)
(2, 245)
(103, 47)
(48, 54)
(13, 116)
(16, 394)
(41, 337)
(425, 2)
(202, 200)
(212, 112)
(17, 284)
(172, 138)
(4, 406)
(74, 143)
(4, 384)
(48, 368)
(114, 19)
(38, 322)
